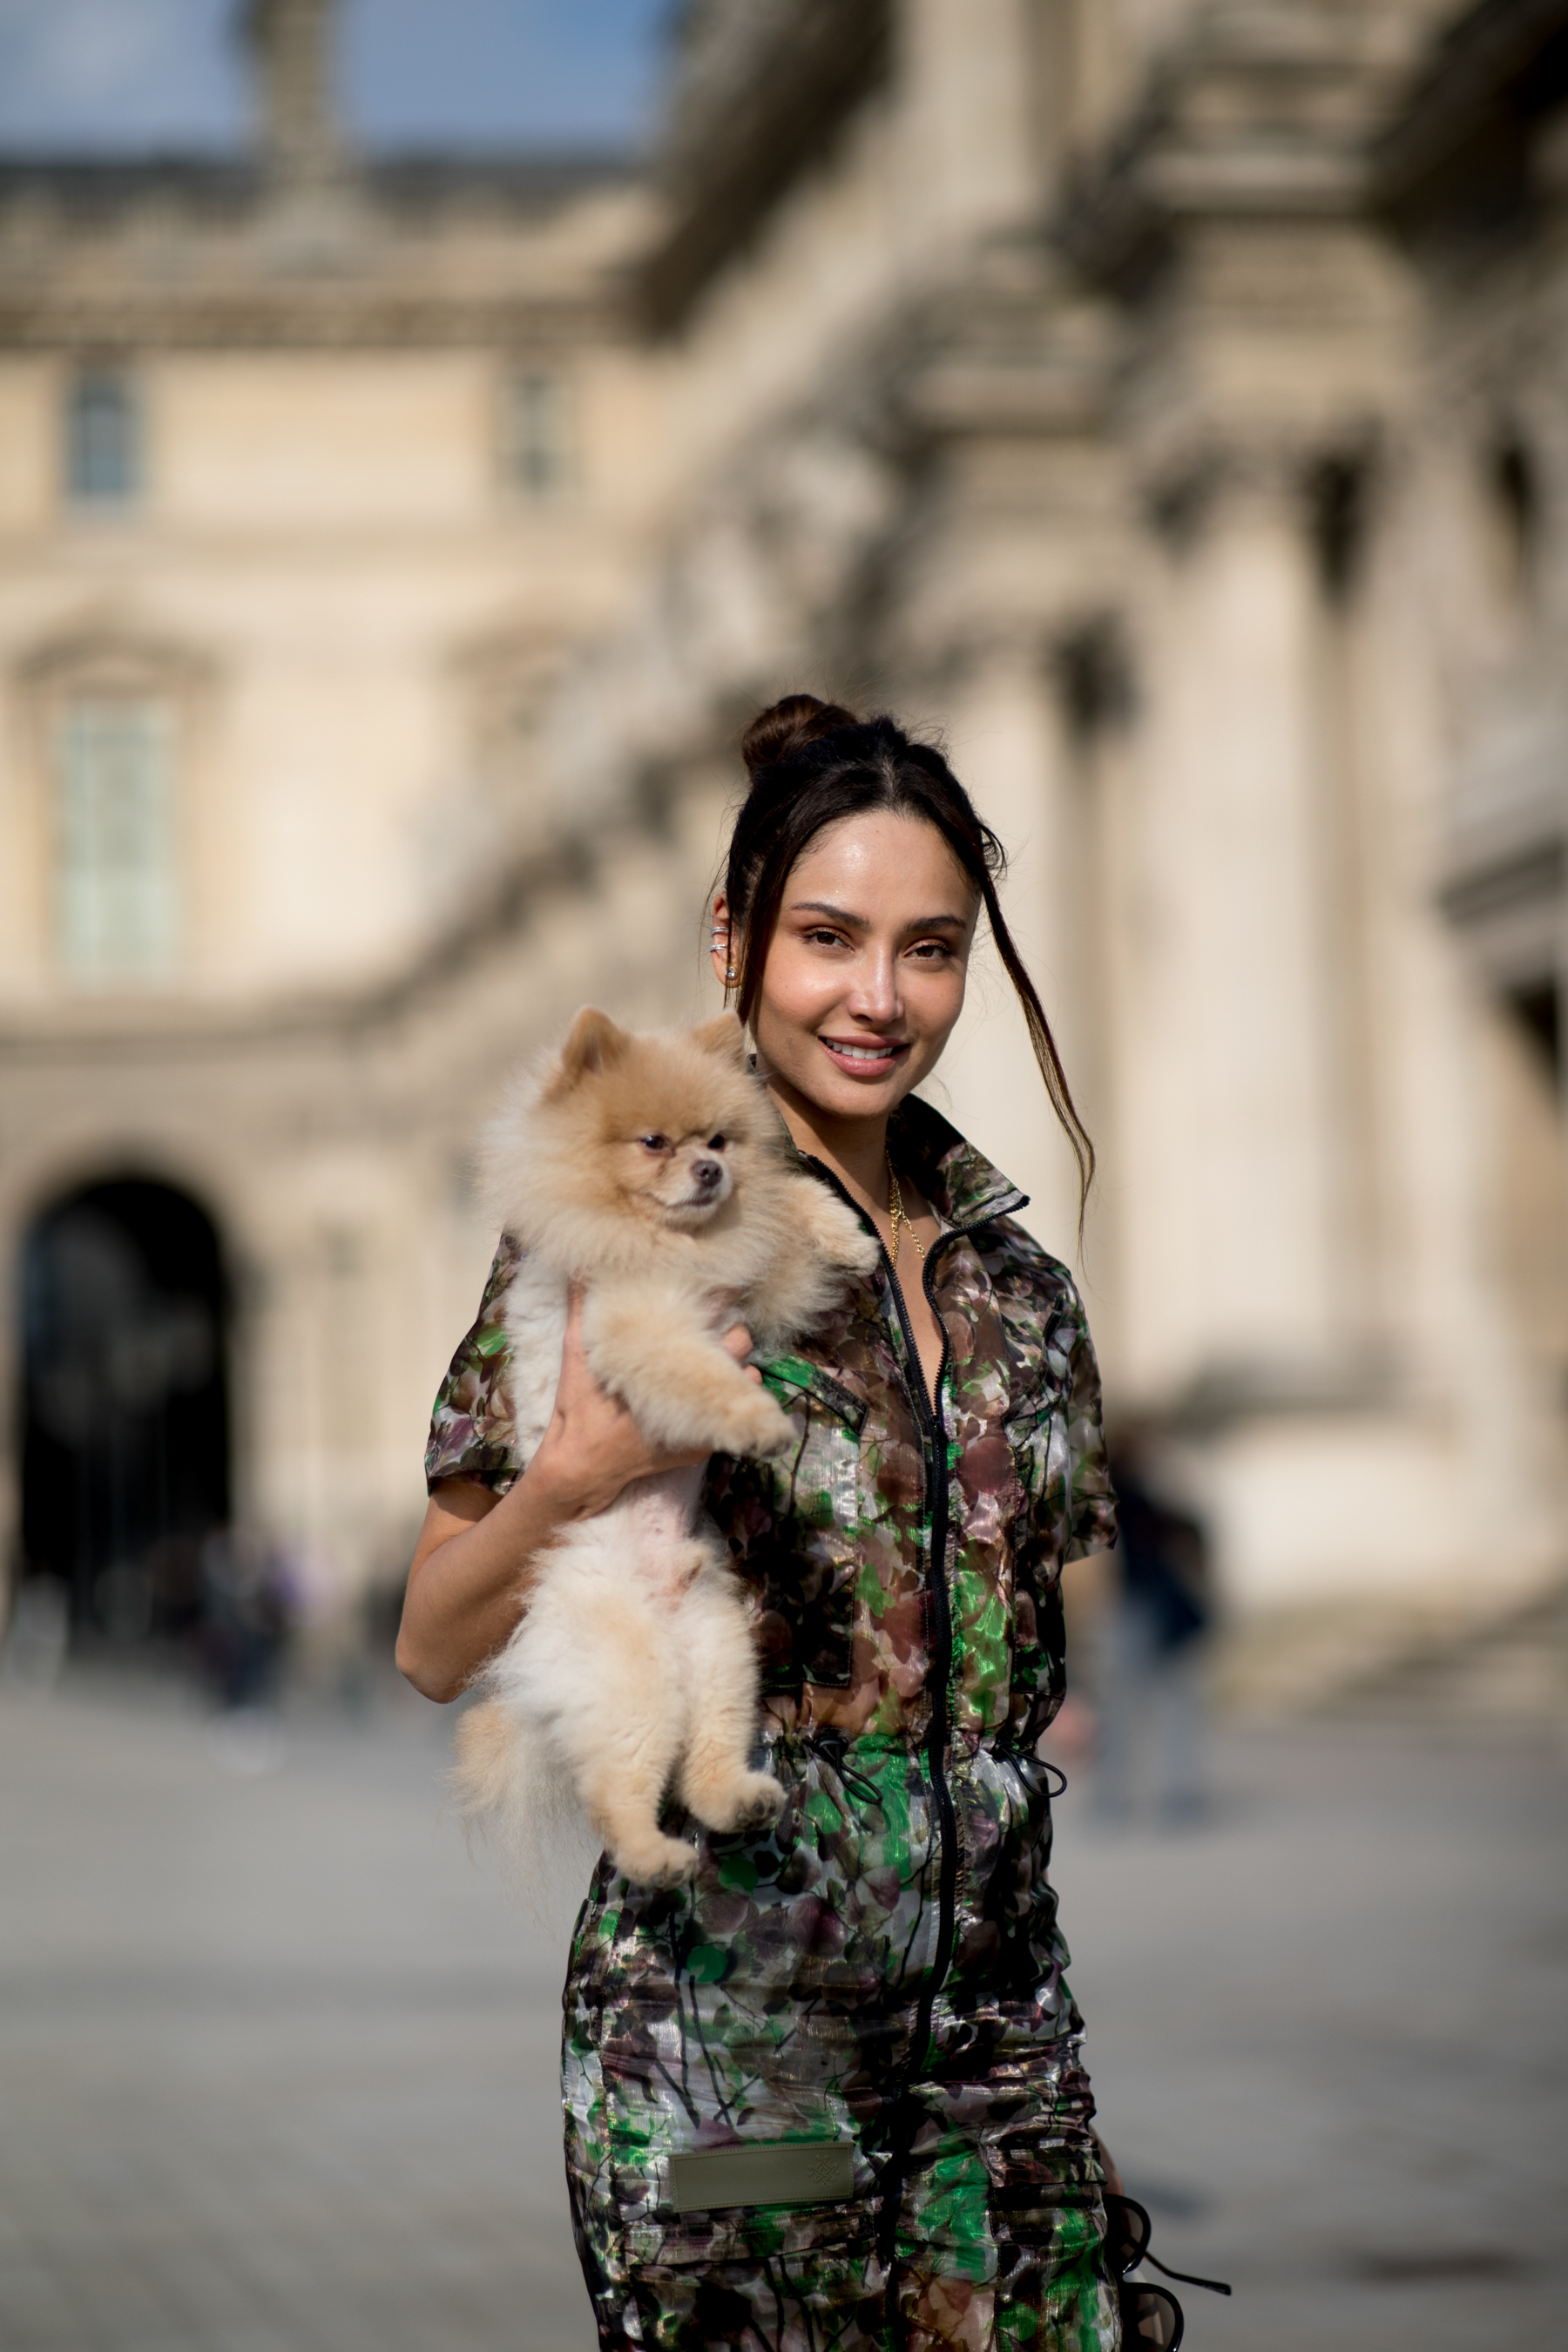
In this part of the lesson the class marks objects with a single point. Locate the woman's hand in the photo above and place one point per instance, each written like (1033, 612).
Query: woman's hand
(593, 1448)
(477, 1555)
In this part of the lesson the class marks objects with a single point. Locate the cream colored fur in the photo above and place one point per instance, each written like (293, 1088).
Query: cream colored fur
(632, 1675)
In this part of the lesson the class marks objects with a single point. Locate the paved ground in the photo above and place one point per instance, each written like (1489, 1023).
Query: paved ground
(277, 2061)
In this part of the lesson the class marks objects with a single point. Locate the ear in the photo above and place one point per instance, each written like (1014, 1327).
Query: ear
(592, 1042)
(723, 1036)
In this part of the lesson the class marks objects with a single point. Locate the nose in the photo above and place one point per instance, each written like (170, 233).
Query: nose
(874, 995)
(706, 1174)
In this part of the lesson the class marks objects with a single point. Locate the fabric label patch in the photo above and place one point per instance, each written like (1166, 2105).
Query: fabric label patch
(762, 2172)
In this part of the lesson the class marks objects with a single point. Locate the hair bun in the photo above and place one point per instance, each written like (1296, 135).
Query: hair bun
(788, 726)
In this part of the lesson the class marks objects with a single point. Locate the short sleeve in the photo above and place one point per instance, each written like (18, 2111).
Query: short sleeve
(1092, 1499)
(472, 1431)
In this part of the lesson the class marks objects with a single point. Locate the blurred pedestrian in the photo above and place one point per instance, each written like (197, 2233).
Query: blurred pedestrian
(245, 1620)
(1152, 1646)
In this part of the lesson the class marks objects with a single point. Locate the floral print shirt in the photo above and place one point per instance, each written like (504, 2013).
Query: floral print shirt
(833, 1538)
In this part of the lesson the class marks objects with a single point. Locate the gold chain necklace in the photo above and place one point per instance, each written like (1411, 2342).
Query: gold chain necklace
(898, 1215)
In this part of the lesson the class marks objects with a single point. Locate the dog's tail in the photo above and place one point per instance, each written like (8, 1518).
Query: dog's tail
(510, 1787)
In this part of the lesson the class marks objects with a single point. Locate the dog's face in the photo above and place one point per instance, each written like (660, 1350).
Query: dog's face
(656, 1128)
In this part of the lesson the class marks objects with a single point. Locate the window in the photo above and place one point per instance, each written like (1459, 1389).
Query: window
(539, 452)
(115, 839)
(103, 440)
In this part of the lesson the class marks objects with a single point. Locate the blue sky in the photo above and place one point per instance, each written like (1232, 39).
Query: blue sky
(130, 76)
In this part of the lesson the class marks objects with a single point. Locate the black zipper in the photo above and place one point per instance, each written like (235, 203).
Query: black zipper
(929, 1416)
(942, 1698)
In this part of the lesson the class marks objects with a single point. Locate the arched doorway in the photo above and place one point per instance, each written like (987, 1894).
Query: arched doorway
(125, 1434)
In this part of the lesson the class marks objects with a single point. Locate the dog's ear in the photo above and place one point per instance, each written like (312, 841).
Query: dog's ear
(592, 1042)
(723, 1036)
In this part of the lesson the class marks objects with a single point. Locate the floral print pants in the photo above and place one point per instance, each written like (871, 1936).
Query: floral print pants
(786, 1996)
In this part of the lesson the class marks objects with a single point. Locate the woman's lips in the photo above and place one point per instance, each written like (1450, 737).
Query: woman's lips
(865, 1058)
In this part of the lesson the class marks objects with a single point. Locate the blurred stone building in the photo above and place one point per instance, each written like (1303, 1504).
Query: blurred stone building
(1166, 397)
(311, 471)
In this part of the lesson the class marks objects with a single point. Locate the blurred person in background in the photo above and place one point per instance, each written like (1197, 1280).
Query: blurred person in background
(1152, 1646)
(880, 1975)
(247, 1616)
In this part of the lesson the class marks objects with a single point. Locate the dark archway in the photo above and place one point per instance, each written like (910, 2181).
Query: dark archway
(125, 1422)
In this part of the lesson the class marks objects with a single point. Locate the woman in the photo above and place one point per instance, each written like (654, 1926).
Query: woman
(882, 1971)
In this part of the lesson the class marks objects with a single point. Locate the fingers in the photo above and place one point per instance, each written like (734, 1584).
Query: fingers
(738, 1343)
(598, 1447)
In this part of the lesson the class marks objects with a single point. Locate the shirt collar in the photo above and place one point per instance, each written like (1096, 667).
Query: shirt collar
(959, 1181)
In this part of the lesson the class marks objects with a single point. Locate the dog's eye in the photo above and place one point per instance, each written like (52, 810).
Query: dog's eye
(717, 1142)
(654, 1142)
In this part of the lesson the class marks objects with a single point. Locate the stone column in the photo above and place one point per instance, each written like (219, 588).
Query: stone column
(970, 141)
(1006, 742)
(1232, 1133)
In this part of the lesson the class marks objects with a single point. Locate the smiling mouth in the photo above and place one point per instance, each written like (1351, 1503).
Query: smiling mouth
(857, 1055)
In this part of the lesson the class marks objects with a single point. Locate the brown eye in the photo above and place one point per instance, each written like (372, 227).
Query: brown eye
(717, 1142)
(654, 1142)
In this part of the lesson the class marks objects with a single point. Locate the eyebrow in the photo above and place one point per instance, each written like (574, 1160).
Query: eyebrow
(859, 922)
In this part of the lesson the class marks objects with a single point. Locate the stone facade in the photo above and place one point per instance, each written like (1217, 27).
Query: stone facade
(389, 439)
(1167, 400)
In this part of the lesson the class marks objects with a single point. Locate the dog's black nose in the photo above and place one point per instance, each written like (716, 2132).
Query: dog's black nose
(707, 1173)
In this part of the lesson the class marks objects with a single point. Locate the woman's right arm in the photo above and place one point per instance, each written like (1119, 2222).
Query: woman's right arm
(473, 1568)
(478, 1554)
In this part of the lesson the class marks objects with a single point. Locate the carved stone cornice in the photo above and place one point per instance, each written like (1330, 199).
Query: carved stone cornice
(1267, 112)
(1012, 353)
(103, 645)
(413, 253)
(250, 321)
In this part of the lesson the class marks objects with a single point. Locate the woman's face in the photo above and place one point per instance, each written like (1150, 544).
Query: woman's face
(865, 973)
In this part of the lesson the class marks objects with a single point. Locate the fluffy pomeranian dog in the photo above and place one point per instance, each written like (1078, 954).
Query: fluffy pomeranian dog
(649, 1170)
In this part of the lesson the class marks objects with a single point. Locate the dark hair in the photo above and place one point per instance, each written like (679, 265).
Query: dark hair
(812, 762)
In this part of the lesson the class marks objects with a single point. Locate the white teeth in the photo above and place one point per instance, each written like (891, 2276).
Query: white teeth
(861, 1053)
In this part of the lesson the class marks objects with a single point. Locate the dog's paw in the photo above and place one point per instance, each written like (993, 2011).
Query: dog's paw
(755, 1423)
(862, 1253)
(762, 1801)
(839, 1234)
(656, 1860)
(747, 1801)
